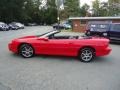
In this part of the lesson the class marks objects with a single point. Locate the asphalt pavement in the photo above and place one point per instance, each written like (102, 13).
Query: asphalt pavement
(55, 72)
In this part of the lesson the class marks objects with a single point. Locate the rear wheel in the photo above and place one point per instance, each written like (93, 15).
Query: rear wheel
(26, 51)
(86, 54)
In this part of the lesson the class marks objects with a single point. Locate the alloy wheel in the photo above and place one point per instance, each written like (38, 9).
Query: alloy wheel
(26, 51)
(86, 55)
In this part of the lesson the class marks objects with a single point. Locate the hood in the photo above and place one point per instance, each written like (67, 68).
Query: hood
(27, 37)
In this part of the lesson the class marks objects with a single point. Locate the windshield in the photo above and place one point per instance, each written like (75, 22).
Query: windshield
(48, 33)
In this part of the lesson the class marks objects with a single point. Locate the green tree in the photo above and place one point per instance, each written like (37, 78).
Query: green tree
(71, 8)
(11, 10)
(114, 7)
(103, 11)
(50, 14)
(84, 10)
(113, 1)
(32, 11)
(111, 8)
(96, 8)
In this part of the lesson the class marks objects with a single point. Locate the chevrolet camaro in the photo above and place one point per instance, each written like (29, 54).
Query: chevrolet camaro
(51, 43)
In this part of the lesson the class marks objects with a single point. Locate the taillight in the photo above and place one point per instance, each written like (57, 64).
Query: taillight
(107, 42)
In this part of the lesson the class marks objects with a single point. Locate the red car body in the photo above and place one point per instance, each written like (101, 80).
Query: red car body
(65, 46)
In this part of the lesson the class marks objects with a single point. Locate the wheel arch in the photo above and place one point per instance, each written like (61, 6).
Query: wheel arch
(18, 48)
(91, 47)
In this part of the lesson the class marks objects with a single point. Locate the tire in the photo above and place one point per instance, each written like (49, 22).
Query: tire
(26, 51)
(86, 54)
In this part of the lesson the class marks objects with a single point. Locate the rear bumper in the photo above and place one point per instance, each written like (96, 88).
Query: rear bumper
(104, 52)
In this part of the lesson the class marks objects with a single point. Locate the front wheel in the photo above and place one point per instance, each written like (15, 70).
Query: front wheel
(26, 51)
(86, 54)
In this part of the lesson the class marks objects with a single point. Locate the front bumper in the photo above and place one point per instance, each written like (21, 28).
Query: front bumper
(12, 47)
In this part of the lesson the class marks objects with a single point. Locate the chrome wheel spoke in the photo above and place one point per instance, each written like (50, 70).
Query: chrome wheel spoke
(27, 51)
(24, 51)
(86, 55)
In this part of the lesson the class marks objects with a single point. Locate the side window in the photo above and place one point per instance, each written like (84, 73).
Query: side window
(93, 25)
(89, 26)
(116, 27)
(103, 26)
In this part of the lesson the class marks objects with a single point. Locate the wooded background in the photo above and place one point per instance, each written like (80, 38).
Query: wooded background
(30, 11)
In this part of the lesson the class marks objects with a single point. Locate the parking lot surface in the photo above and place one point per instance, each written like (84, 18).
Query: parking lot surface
(55, 72)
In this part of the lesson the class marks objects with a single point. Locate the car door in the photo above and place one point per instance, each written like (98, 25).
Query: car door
(56, 47)
(60, 46)
(114, 32)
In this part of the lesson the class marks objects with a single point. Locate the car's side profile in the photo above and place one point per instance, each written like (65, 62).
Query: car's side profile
(104, 29)
(63, 25)
(4, 27)
(86, 48)
(16, 25)
(12, 26)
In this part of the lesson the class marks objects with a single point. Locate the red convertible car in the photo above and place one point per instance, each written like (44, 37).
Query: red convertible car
(51, 43)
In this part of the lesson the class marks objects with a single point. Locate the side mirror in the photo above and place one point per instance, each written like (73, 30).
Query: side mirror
(43, 39)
